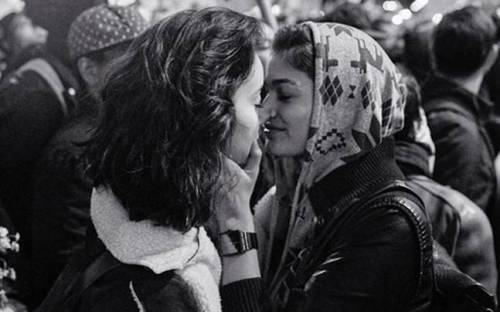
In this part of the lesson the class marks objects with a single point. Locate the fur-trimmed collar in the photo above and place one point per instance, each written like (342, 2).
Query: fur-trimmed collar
(192, 255)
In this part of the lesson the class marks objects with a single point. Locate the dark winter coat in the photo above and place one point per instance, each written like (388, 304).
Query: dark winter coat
(377, 260)
(30, 113)
(458, 225)
(61, 203)
(464, 153)
(110, 287)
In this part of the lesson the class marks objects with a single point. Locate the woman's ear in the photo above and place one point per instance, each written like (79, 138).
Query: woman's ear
(88, 71)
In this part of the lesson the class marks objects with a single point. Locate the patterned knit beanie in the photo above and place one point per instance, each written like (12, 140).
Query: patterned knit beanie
(103, 26)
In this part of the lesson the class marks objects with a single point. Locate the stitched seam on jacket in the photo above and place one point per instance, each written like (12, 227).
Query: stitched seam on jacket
(135, 297)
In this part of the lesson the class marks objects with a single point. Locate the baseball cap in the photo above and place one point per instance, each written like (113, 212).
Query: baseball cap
(102, 27)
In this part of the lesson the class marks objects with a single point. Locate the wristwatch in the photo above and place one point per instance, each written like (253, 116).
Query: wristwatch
(234, 242)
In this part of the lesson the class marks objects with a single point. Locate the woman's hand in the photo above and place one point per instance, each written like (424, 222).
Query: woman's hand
(236, 187)
(233, 213)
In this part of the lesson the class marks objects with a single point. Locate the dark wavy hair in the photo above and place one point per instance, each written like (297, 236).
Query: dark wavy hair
(294, 44)
(168, 115)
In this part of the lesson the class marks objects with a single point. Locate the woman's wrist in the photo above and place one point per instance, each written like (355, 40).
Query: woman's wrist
(237, 214)
(244, 224)
(234, 242)
(240, 267)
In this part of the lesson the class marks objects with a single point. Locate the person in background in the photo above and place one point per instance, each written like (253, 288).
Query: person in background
(389, 36)
(36, 97)
(61, 199)
(377, 25)
(348, 13)
(489, 89)
(417, 55)
(464, 49)
(56, 16)
(458, 225)
(179, 111)
(20, 39)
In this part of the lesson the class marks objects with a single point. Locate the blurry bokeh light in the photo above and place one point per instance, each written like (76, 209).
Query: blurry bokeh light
(390, 6)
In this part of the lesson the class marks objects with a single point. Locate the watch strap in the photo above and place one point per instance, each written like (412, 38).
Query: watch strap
(234, 242)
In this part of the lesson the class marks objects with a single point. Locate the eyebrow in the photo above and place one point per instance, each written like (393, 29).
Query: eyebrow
(276, 82)
(283, 80)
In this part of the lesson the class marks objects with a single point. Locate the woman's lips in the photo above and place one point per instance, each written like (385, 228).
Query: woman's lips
(270, 127)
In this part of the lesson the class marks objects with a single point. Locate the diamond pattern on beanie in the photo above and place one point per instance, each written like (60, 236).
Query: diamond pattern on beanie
(331, 90)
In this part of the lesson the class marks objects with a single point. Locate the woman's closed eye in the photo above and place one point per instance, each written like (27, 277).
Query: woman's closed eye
(284, 97)
(284, 93)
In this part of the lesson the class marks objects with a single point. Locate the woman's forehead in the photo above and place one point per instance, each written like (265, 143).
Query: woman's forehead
(281, 71)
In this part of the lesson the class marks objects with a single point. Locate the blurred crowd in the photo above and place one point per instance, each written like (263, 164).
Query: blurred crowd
(56, 97)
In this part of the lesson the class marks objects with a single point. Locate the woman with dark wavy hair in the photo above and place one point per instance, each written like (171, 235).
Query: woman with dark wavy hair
(180, 107)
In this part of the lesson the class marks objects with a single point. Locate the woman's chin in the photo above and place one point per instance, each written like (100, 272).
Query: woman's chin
(278, 149)
(273, 149)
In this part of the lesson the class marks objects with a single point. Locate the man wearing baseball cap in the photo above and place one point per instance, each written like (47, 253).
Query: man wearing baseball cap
(61, 203)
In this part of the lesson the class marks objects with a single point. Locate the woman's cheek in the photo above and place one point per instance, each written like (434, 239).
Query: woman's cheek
(248, 120)
(245, 132)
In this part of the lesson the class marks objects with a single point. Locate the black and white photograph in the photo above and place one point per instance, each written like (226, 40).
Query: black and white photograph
(249, 155)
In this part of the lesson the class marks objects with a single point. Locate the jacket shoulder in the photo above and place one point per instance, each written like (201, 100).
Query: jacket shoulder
(367, 249)
(163, 292)
(448, 104)
(134, 288)
(447, 196)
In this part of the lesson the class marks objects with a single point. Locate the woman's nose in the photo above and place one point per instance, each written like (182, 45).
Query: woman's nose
(267, 111)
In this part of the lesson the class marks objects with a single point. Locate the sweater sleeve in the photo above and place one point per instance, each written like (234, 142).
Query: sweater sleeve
(242, 296)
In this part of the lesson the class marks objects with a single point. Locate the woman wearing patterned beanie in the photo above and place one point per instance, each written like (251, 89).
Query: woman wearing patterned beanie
(349, 235)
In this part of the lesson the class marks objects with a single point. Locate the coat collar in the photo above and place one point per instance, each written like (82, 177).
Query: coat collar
(159, 248)
(356, 178)
(412, 158)
(438, 86)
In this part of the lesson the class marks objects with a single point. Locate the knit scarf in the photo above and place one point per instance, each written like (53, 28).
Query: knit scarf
(192, 255)
(358, 100)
